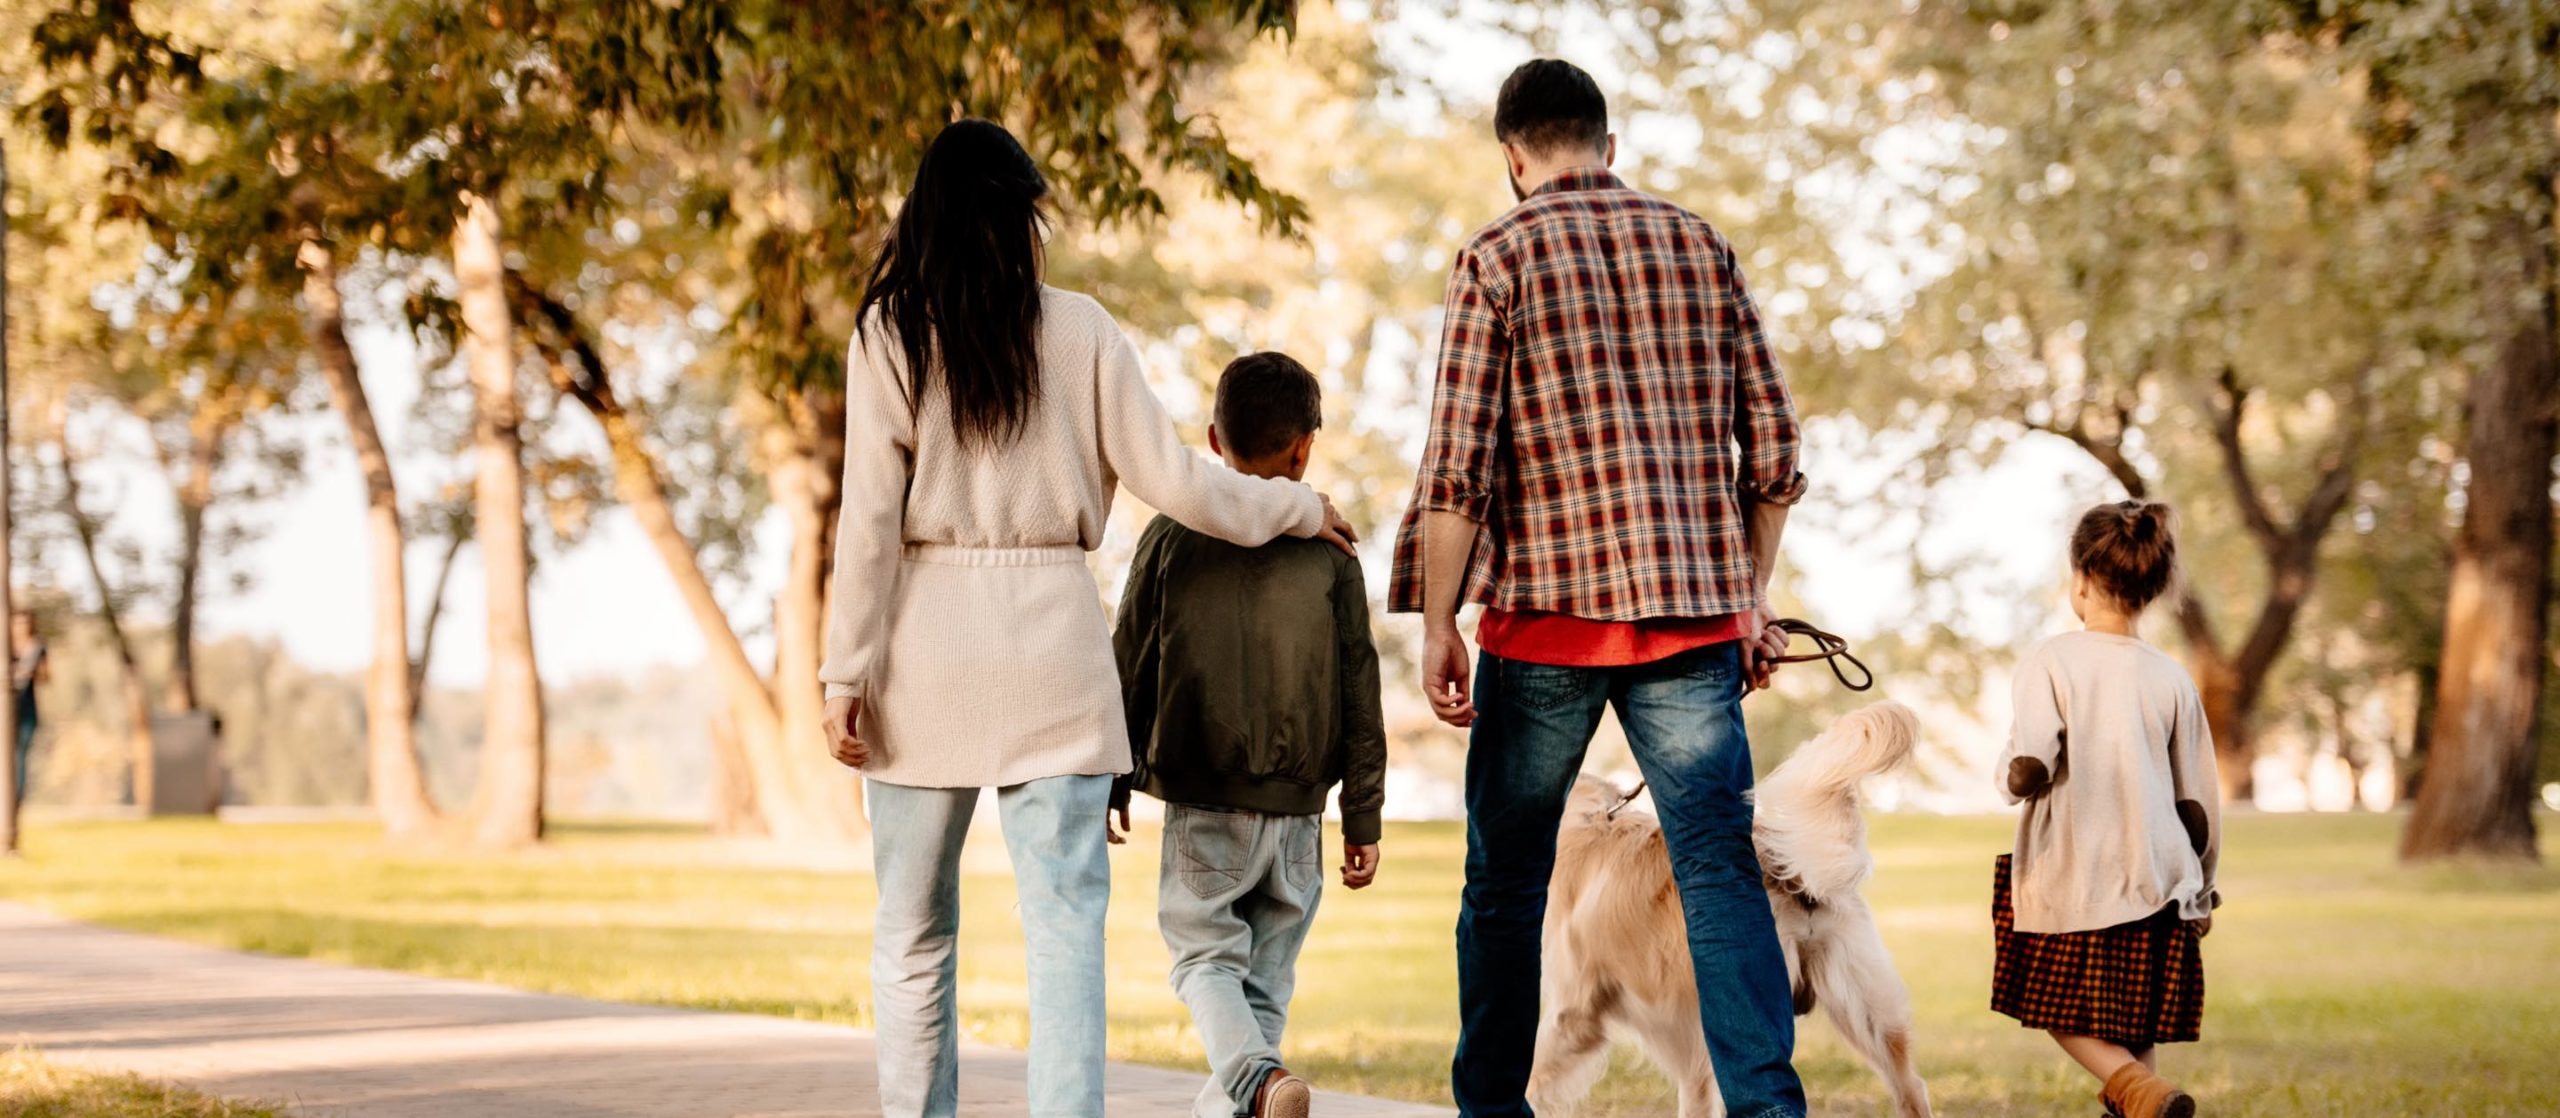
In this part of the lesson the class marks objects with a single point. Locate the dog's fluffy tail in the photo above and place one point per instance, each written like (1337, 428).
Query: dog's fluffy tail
(1807, 811)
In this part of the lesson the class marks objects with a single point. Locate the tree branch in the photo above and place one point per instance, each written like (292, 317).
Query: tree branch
(2226, 413)
(577, 370)
(2293, 553)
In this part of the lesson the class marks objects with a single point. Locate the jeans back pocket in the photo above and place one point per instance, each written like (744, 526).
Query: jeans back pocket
(1211, 848)
(1305, 854)
(1545, 686)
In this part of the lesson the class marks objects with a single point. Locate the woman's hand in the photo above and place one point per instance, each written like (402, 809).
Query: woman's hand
(1338, 531)
(844, 733)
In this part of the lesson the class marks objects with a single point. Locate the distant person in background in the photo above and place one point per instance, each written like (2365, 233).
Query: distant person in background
(26, 669)
(989, 420)
(2100, 914)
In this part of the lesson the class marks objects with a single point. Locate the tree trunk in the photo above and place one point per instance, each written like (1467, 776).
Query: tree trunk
(804, 468)
(207, 430)
(2229, 701)
(137, 695)
(10, 793)
(397, 785)
(733, 784)
(2422, 729)
(753, 723)
(435, 615)
(507, 805)
(2476, 799)
(764, 790)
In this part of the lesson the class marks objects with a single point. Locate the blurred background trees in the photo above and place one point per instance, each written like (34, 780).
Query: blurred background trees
(2284, 265)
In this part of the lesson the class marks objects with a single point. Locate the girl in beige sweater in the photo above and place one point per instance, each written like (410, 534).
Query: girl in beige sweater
(2099, 913)
(989, 419)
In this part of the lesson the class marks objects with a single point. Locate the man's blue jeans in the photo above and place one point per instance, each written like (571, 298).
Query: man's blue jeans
(1683, 717)
(1062, 878)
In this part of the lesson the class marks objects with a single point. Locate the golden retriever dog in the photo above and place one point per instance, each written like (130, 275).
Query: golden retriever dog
(1617, 953)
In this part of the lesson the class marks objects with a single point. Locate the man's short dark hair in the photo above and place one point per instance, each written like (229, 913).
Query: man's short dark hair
(1549, 103)
(1267, 401)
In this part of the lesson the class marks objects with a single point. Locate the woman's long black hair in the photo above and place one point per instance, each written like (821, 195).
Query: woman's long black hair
(959, 280)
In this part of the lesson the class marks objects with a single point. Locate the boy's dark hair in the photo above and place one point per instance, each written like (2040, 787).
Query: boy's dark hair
(2129, 548)
(1549, 103)
(1265, 402)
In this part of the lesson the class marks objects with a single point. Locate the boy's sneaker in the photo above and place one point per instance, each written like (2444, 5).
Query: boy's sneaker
(1283, 1096)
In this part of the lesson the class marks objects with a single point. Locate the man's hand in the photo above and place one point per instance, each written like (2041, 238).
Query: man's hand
(1359, 866)
(1762, 643)
(1338, 531)
(1115, 825)
(1444, 674)
(844, 733)
(2202, 925)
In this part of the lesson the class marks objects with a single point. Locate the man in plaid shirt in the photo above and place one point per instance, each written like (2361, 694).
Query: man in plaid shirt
(1611, 457)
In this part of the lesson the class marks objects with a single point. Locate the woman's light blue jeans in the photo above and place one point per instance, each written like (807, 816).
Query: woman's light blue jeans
(1053, 828)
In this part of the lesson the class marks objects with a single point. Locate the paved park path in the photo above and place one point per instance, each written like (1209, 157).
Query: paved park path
(331, 1040)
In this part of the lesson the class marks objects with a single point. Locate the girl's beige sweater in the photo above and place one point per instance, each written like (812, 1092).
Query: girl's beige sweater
(2117, 729)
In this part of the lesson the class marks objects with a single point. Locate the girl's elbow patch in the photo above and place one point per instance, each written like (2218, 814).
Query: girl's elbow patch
(2028, 776)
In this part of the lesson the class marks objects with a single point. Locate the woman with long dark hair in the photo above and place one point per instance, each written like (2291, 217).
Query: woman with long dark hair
(989, 419)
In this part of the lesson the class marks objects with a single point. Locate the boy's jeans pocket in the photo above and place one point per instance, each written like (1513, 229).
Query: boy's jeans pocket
(1212, 849)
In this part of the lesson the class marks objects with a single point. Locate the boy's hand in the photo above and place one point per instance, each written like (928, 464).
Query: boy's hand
(1359, 866)
(844, 733)
(1115, 825)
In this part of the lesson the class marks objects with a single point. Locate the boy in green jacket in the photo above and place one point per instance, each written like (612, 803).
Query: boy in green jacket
(1252, 689)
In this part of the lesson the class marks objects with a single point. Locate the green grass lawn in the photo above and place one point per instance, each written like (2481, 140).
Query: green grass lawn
(30, 1087)
(2339, 983)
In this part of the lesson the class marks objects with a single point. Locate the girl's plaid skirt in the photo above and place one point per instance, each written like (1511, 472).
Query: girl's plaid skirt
(2136, 984)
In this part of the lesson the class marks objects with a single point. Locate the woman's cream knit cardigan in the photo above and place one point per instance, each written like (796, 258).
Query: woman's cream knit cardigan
(962, 611)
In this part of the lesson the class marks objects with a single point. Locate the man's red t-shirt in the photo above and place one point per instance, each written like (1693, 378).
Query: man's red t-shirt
(1560, 639)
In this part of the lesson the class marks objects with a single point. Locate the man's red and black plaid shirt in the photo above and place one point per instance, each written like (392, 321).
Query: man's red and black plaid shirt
(1606, 406)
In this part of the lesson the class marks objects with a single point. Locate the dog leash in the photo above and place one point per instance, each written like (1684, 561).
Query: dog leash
(1828, 647)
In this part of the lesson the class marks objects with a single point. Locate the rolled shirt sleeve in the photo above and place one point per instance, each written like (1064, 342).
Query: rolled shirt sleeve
(1766, 426)
(1466, 410)
(1458, 456)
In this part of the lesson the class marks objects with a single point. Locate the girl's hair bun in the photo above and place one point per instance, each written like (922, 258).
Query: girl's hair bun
(2130, 548)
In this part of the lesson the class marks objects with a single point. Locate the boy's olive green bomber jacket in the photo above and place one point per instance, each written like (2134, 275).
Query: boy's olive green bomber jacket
(1249, 678)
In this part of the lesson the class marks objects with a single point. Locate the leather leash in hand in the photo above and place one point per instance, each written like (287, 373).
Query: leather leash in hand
(1828, 647)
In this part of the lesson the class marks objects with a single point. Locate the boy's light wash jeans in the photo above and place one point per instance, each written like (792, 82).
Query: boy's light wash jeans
(1236, 894)
(1053, 827)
